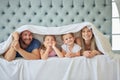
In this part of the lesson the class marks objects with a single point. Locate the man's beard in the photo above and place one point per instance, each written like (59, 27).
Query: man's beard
(22, 43)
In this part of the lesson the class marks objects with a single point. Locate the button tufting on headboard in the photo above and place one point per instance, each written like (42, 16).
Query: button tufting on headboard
(14, 13)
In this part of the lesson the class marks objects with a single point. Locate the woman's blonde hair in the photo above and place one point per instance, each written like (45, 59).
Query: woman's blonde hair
(93, 43)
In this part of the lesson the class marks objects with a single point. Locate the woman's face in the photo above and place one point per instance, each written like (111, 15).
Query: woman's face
(68, 39)
(49, 40)
(87, 34)
(26, 37)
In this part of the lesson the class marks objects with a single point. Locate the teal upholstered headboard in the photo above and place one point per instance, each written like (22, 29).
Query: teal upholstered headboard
(14, 13)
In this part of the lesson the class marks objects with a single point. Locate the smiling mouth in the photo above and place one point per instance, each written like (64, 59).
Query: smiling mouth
(87, 36)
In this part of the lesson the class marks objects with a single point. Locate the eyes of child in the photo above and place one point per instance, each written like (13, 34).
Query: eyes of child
(68, 38)
(50, 40)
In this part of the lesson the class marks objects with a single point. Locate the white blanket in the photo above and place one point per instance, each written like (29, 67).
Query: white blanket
(80, 68)
(102, 42)
(101, 67)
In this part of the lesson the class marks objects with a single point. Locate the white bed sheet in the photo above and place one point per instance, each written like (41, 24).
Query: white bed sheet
(100, 67)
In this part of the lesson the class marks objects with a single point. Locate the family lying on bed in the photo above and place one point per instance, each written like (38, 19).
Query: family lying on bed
(24, 45)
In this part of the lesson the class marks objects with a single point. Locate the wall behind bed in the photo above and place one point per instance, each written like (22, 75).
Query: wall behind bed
(14, 13)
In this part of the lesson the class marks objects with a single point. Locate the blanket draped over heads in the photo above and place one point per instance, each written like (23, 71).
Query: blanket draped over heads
(102, 42)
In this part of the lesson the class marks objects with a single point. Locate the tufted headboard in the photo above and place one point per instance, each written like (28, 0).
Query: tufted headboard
(15, 13)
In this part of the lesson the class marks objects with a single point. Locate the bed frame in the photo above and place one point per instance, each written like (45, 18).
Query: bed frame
(55, 13)
(15, 13)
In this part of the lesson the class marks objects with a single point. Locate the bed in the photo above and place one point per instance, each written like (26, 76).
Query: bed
(58, 17)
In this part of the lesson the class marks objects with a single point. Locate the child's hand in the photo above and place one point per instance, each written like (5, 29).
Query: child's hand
(48, 47)
(53, 44)
(68, 55)
(42, 51)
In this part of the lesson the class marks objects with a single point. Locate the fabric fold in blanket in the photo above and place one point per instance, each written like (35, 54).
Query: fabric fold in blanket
(79, 68)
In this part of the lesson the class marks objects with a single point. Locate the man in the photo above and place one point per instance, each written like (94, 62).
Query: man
(23, 45)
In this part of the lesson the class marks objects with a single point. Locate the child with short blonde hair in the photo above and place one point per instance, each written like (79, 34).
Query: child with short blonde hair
(70, 48)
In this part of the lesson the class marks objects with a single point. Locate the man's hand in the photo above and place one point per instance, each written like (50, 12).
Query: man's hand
(15, 35)
(16, 45)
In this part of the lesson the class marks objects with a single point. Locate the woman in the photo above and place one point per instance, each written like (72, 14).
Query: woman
(87, 42)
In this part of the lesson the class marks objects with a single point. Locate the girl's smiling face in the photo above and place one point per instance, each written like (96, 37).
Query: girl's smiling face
(49, 39)
(68, 39)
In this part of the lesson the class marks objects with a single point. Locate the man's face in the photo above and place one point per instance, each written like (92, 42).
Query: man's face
(26, 37)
